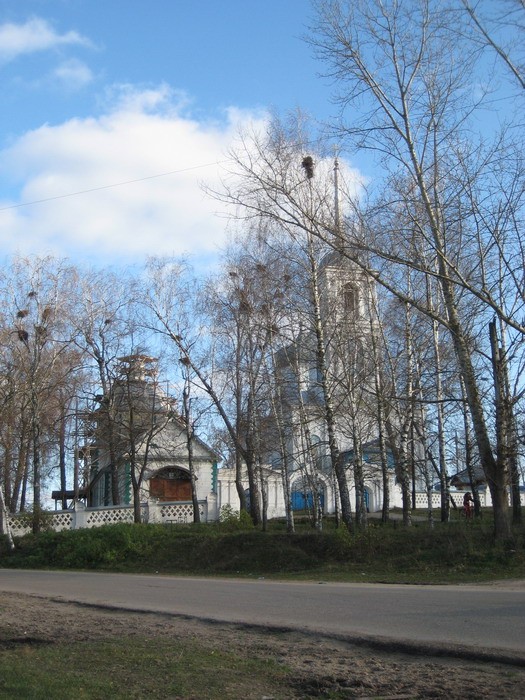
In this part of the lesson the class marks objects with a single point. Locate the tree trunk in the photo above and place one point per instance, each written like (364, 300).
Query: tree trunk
(36, 477)
(4, 521)
(335, 456)
(62, 459)
(189, 445)
(239, 484)
(401, 466)
(496, 477)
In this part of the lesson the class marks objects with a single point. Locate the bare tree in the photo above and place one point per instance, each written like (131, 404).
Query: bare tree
(175, 305)
(142, 411)
(402, 64)
(500, 27)
(274, 185)
(105, 330)
(36, 294)
(190, 431)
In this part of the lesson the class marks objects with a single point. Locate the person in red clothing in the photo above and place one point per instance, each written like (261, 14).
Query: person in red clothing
(467, 504)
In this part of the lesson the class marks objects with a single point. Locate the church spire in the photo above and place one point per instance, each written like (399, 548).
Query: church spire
(338, 231)
(336, 196)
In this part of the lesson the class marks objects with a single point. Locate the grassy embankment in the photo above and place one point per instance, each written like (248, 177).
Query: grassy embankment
(137, 668)
(458, 551)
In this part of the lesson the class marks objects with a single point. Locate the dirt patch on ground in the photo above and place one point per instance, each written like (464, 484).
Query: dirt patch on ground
(322, 667)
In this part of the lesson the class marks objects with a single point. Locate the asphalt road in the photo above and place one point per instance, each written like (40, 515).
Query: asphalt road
(484, 617)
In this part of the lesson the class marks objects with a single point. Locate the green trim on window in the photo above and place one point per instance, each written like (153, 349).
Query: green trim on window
(214, 476)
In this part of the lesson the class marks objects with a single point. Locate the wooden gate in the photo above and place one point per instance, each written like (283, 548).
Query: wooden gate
(171, 484)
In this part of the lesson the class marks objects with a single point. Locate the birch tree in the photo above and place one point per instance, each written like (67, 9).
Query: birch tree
(141, 411)
(36, 294)
(105, 330)
(499, 27)
(404, 77)
(274, 182)
(189, 421)
(221, 333)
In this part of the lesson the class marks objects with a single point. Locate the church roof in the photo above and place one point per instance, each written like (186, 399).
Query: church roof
(461, 479)
(336, 258)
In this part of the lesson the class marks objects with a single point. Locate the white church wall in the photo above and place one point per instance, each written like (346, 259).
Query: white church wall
(227, 492)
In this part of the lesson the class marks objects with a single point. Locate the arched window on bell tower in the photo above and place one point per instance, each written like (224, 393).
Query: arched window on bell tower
(350, 300)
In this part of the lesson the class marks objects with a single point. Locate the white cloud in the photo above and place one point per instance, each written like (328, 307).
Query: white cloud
(34, 35)
(129, 98)
(143, 135)
(73, 74)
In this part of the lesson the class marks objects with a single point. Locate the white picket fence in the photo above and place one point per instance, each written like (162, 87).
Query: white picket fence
(422, 499)
(166, 513)
(82, 517)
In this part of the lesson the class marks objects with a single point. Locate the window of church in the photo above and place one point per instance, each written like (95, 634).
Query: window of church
(315, 376)
(351, 302)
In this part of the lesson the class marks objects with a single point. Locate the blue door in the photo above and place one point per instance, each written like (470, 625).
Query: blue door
(304, 500)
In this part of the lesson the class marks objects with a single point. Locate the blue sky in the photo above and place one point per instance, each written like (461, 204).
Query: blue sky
(98, 92)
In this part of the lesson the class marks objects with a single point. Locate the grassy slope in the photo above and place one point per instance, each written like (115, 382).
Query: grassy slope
(457, 551)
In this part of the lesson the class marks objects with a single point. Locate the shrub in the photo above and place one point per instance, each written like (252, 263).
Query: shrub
(227, 514)
(231, 520)
(245, 520)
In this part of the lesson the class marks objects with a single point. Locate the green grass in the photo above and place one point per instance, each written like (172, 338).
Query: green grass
(450, 552)
(136, 668)
(140, 667)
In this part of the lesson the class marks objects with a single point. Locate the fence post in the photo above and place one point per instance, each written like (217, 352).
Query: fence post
(79, 518)
(153, 510)
(210, 509)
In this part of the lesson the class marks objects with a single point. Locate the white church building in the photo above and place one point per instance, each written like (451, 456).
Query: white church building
(305, 470)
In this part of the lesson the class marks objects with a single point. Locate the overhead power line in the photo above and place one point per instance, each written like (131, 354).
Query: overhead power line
(107, 187)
